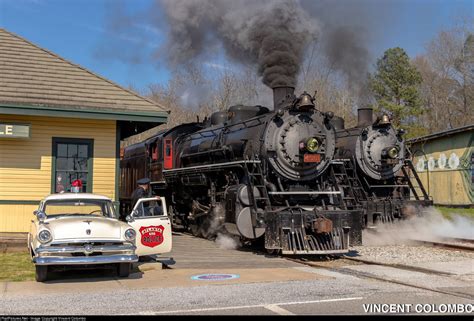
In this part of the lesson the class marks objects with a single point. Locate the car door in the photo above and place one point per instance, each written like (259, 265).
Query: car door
(153, 227)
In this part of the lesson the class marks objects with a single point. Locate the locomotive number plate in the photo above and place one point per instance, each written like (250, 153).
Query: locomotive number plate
(312, 158)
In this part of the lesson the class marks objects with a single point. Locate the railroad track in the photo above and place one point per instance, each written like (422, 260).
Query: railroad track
(457, 239)
(366, 275)
(449, 243)
(327, 264)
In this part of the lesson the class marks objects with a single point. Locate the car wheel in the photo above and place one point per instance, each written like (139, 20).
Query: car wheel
(124, 269)
(41, 273)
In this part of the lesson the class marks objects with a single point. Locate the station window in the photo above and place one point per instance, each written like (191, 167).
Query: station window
(72, 165)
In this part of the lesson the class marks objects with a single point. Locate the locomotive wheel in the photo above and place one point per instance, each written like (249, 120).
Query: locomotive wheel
(195, 230)
(206, 233)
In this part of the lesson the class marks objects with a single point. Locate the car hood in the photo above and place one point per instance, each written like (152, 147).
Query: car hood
(85, 227)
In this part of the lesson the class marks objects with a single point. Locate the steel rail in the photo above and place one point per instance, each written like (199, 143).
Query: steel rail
(450, 246)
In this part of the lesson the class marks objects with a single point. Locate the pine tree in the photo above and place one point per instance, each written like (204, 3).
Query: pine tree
(395, 85)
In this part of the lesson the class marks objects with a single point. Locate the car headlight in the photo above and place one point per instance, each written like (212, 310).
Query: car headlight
(44, 236)
(312, 145)
(130, 234)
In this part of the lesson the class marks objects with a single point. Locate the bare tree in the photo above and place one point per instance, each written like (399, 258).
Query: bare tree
(448, 89)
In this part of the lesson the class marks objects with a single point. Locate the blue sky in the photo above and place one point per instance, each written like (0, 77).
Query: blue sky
(79, 30)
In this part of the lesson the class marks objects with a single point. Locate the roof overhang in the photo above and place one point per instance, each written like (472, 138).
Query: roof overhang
(445, 133)
(81, 112)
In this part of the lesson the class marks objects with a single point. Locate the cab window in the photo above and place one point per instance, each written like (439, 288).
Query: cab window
(149, 208)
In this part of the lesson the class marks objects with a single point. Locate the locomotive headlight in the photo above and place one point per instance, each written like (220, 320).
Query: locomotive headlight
(312, 145)
(393, 152)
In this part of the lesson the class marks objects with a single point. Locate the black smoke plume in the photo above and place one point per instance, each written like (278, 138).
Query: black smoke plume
(273, 35)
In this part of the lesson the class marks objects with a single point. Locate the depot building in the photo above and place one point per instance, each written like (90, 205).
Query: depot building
(60, 129)
(444, 162)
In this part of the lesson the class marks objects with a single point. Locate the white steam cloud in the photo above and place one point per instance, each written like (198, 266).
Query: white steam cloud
(431, 226)
(227, 242)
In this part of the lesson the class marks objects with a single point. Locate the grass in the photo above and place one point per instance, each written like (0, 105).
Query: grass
(16, 267)
(449, 212)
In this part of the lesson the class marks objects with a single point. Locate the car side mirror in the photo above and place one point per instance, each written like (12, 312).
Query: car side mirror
(129, 218)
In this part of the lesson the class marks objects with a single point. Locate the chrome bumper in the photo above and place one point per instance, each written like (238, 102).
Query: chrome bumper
(82, 249)
(52, 255)
(80, 260)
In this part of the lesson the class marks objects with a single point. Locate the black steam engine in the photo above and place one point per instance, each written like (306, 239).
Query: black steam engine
(252, 172)
(293, 176)
(374, 153)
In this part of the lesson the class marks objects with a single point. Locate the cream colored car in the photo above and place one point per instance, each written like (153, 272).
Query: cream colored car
(83, 230)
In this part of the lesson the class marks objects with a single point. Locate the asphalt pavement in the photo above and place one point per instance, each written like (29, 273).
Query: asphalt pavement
(260, 285)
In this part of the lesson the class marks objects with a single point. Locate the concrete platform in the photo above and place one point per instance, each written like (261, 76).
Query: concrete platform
(195, 253)
(193, 256)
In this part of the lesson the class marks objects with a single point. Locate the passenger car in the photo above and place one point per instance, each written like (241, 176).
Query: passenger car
(83, 230)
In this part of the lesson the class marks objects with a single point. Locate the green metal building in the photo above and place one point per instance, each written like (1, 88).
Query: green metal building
(445, 163)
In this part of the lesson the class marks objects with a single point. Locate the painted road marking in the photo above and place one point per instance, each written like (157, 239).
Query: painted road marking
(278, 310)
(248, 306)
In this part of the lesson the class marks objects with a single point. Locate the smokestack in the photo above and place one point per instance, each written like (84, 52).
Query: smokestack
(364, 117)
(280, 94)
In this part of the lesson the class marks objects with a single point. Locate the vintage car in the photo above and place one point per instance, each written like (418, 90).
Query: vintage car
(84, 230)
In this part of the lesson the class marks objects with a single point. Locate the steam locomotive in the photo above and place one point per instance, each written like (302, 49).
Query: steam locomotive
(252, 172)
(293, 176)
(384, 180)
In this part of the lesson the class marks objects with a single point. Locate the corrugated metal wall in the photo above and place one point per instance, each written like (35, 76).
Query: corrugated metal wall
(444, 166)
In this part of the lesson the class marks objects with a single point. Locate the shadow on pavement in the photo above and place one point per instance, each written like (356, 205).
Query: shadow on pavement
(82, 275)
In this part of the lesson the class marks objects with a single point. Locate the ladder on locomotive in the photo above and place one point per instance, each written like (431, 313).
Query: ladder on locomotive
(408, 169)
(256, 180)
(345, 180)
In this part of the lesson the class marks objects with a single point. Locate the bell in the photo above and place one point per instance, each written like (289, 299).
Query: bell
(385, 120)
(305, 102)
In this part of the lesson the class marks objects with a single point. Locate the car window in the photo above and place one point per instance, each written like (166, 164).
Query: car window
(150, 208)
(79, 207)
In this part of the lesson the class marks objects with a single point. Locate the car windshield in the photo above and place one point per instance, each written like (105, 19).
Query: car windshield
(79, 207)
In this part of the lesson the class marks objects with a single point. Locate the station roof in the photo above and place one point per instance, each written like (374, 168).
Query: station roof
(35, 81)
(441, 134)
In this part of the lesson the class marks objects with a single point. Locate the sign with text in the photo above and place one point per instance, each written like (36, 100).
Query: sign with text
(14, 130)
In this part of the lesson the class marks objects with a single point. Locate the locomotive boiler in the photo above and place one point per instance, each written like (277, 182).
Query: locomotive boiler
(375, 155)
(252, 172)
